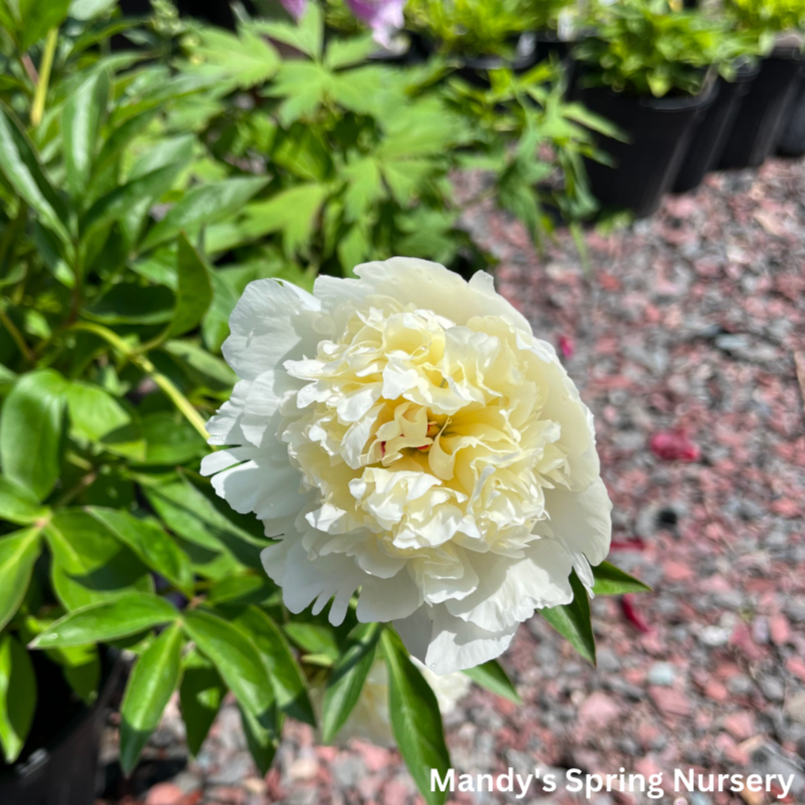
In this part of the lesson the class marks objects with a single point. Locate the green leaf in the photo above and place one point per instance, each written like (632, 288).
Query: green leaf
(21, 166)
(130, 201)
(236, 659)
(31, 429)
(306, 35)
(238, 662)
(98, 623)
(189, 513)
(150, 542)
(286, 676)
(415, 720)
(347, 678)
(215, 327)
(129, 303)
(611, 580)
(260, 739)
(18, 553)
(153, 679)
(251, 589)
(88, 9)
(89, 565)
(347, 52)
(213, 371)
(204, 205)
(200, 696)
(248, 59)
(83, 672)
(17, 696)
(38, 17)
(120, 136)
(572, 620)
(82, 117)
(364, 187)
(194, 291)
(292, 212)
(93, 411)
(18, 505)
(313, 638)
(170, 439)
(491, 676)
(304, 86)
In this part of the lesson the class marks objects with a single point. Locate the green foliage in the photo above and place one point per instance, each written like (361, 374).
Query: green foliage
(347, 678)
(572, 620)
(764, 19)
(472, 27)
(140, 193)
(153, 679)
(415, 720)
(647, 47)
(491, 676)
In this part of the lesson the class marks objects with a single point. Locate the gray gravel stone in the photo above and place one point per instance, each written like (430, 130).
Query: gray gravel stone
(773, 689)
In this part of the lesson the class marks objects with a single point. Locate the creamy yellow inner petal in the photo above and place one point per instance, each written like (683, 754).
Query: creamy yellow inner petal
(424, 438)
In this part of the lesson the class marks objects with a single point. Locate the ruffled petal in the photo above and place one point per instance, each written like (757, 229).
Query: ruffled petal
(305, 581)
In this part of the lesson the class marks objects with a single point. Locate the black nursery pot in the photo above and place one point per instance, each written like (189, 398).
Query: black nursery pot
(475, 71)
(64, 770)
(792, 130)
(757, 125)
(659, 130)
(711, 132)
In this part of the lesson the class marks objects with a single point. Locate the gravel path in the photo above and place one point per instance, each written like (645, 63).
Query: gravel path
(684, 335)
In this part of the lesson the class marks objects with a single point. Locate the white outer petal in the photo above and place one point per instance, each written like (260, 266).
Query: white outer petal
(384, 600)
(509, 590)
(271, 323)
(305, 580)
(260, 418)
(225, 426)
(581, 520)
(447, 644)
(338, 297)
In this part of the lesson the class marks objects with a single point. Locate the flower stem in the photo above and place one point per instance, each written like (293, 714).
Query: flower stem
(18, 337)
(38, 109)
(179, 400)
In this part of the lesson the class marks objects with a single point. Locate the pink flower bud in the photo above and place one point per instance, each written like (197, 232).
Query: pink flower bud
(296, 8)
(384, 17)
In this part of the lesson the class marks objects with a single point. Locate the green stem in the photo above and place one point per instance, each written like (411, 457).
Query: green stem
(18, 337)
(38, 109)
(179, 400)
(86, 481)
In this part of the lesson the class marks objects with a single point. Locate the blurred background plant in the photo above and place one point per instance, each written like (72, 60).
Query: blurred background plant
(764, 20)
(646, 47)
(470, 28)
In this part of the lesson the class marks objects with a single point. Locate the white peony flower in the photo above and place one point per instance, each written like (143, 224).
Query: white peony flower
(405, 434)
(370, 719)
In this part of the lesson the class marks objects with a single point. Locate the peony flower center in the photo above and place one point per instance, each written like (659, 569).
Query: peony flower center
(423, 434)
